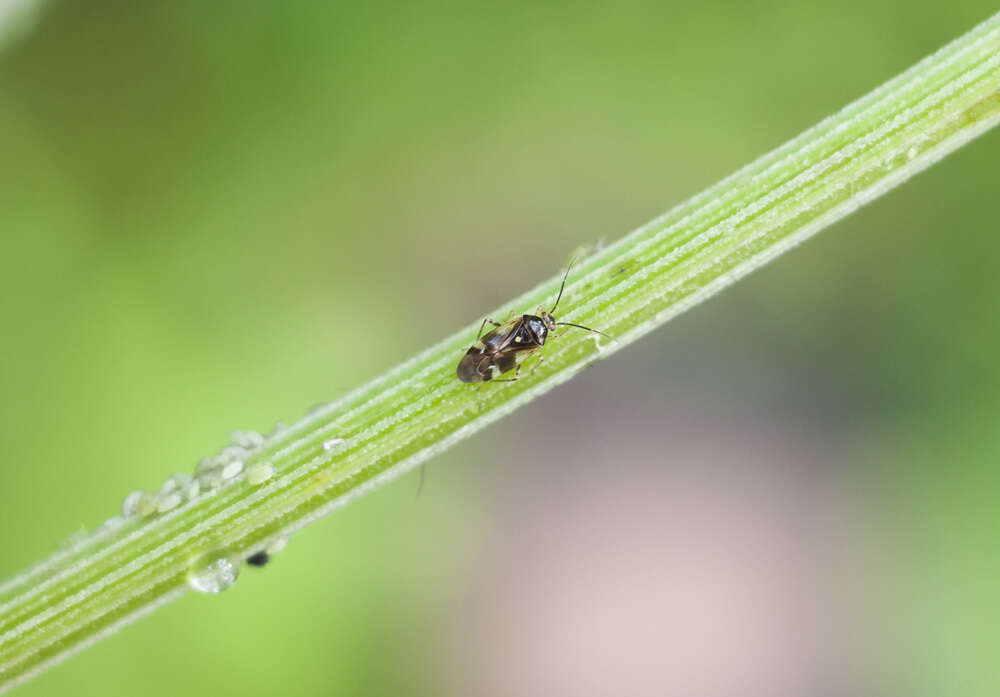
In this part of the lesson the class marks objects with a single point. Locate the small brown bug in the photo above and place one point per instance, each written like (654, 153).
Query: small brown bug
(504, 348)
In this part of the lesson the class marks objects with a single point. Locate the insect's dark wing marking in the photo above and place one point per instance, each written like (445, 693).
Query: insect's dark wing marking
(500, 338)
(468, 367)
(507, 363)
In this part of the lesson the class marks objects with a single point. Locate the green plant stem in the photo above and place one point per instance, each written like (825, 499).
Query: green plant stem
(418, 409)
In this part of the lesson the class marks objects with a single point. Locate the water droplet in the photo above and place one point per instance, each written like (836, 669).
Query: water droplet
(332, 443)
(177, 482)
(231, 452)
(169, 502)
(204, 465)
(912, 152)
(213, 573)
(260, 473)
(148, 505)
(139, 503)
(183, 486)
(232, 469)
(277, 545)
(256, 440)
(278, 429)
(209, 480)
(239, 438)
(131, 503)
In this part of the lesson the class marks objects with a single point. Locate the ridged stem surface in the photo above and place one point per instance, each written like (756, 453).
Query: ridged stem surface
(397, 421)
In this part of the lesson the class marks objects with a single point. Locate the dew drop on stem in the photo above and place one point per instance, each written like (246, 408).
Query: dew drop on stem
(213, 573)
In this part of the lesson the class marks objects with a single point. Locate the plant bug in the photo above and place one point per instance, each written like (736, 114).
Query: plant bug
(505, 347)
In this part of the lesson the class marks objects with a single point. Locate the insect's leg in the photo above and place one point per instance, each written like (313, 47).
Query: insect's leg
(535, 367)
(517, 374)
(506, 364)
(491, 321)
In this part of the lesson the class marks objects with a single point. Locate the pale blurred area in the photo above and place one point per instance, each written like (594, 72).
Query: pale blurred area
(18, 18)
(214, 216)
(711, 562)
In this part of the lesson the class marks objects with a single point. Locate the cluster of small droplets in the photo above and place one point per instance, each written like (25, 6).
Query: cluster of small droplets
(210, 473)
(176, 490)
(139, 504)
(247, 439)
(213, 472)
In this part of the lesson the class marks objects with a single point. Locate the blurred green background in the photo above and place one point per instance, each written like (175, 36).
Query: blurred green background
(215, 215)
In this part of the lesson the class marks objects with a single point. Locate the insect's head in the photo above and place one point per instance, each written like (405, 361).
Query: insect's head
(550, 321)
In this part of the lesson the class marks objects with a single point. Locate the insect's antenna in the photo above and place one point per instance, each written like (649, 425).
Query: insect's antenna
(563, 286)
(580, 326)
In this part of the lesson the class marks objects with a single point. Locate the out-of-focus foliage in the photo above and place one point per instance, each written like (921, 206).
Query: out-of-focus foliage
(216, 214)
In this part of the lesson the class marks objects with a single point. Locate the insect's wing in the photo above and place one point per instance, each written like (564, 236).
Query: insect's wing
(507, 362)
(498, 339)
(468, 367)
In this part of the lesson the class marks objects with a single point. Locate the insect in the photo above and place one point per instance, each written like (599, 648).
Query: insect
(505, 347)
(258, 559)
